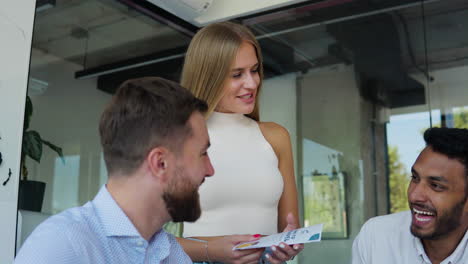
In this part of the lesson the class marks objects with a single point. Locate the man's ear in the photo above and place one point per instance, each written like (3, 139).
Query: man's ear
(158, 160)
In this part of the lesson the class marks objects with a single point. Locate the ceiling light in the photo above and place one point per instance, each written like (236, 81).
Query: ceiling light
(42, 5)
(36, 87)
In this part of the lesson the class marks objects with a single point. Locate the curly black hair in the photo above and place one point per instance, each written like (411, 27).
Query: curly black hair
(452, 142)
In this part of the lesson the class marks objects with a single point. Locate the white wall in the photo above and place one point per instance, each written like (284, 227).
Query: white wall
(330, 114)
(278, 103)
(16, 23)
(67, 114)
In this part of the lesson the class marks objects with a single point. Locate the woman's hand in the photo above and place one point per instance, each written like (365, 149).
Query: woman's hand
(284, 252)
(221, 250)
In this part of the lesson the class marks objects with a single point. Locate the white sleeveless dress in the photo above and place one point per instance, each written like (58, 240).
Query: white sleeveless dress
(243, 194)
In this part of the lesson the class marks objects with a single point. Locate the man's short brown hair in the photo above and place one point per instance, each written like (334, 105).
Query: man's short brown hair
(143, 114)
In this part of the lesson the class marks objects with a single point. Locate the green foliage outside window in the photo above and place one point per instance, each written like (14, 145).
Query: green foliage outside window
(399, 179)
(400, 175)
(460, 118)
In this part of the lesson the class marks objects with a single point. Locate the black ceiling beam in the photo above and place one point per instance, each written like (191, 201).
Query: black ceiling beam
(170, 69)
(162, 16)
(158, 57)
(278, 57)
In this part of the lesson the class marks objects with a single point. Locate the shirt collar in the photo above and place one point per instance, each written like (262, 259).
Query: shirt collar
(420, 249)
(456, 256)
(113, 219)
(161, 241)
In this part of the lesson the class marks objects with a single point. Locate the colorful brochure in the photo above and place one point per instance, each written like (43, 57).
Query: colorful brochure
(296, 236)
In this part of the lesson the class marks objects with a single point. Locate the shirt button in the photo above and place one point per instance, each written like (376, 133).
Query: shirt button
(140, 243)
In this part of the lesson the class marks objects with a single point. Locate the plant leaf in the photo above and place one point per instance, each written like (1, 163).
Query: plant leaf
(58, 150)
(28, 111)
(32, 145)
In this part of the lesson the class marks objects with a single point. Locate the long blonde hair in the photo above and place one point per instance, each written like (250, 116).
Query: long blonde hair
(209, 58)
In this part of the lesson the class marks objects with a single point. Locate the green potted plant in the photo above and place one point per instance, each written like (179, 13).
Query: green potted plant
(31, 193)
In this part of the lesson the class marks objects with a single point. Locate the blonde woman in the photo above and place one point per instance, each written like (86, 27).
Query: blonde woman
(253, 191)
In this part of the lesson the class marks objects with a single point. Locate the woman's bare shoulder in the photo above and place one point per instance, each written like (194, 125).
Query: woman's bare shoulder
(276, 135)
(275, 129)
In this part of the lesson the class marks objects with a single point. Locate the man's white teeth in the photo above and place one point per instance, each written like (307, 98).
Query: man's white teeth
(246, 96)
(422, 212)
(422, 219)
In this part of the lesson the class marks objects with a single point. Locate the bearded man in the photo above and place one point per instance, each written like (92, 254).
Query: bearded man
(435, 229)
(155, 142)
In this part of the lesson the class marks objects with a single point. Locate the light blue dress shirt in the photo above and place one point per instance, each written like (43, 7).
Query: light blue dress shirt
(97, 232)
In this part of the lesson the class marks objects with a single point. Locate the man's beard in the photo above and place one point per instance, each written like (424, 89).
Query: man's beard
(181, 198)
(449, 220)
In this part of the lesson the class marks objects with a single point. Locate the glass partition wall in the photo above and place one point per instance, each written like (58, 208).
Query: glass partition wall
(354, 82)
(69, 38)
(372, 76)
